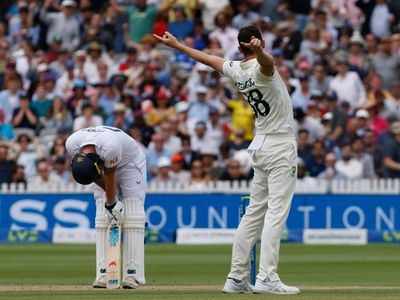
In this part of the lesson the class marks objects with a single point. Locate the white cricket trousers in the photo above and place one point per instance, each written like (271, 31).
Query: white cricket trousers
(275, 172)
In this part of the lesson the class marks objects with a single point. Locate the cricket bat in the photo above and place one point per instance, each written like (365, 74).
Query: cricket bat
(113, 256)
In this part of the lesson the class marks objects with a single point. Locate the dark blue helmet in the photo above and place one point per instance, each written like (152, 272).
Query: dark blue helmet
(86, 167)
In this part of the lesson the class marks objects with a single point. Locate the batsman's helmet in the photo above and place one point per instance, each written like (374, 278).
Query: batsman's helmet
(86, 167)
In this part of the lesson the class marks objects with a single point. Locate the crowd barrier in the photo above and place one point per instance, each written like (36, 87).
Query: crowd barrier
(27, 216)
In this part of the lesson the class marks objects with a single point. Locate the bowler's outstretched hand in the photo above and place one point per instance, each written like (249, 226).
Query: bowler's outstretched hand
(255, 44)
(167, 39)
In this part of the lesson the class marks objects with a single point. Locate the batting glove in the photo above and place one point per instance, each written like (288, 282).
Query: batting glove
(115, 212)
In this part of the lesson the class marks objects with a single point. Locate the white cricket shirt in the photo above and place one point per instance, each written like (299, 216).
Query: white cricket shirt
(267, 96)
(113, 145)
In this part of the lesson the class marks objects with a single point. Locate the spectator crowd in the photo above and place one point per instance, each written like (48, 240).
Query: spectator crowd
(66, 65)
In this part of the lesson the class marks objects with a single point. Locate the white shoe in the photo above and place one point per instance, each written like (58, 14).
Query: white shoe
(130, 283)
(274, 287)
(232, 286)
(100, 282)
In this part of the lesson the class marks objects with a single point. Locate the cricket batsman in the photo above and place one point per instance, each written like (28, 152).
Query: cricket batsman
(274, 156)
(112, 160)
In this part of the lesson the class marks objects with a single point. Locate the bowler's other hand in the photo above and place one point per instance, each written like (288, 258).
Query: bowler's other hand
(255, 44)
(167, 39)
(115, 212)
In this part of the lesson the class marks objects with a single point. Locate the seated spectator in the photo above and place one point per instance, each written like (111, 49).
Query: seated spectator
(7, 166)
(208, 157)
(358, 153)
(375, 121)
(25, 116)
(337, 133)
(163, 172)
(9, 98)
(188, 154)
(60, 169)
(58, 148)
(45, 179)
(177, 171)
(108, 98)
(304, 148)
(171, 142)
(331, 173)
(349, 166)
(6, 130)
(27, 154)
(238, 143)
(161, 111)
(41, 103)
(245, 17)
(319, 80)
(217, 130)
(87, 119)
(200, 139)
(302, 95)
(225, 34)
(316, 163)
(58, 116)
(303, 178)
(19, 176)
(311, 124)
(198, 180)
(375, 150)
(118, 118)
(199, 109)
(232, 172)
(155, 153)
(391, 160)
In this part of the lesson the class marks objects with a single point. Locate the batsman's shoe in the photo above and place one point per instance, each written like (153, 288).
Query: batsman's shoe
(274, 287)
(100, 282)
(233, 286)
(130, 283)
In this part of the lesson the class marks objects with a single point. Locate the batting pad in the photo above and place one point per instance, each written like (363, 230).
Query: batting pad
(101, 233)
(133, 245)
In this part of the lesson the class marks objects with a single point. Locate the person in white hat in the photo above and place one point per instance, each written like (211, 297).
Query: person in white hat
(63, 24)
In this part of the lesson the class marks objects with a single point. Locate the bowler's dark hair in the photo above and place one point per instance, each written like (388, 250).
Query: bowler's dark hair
(245, 35)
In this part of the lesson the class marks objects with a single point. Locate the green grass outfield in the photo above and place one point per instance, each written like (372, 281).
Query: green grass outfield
(47, 271)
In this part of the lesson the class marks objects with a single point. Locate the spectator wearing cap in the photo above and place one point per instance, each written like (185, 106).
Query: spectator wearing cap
(9, 98)
(95, 55)
(349, 166)
(153, 154)
(225, 34)
(108, 97)
(209, 157)
(181, 109)
(358, 59)
(163, 176)
(63, 23)
(199, 108)
(198, 78)
(162, 109)
(319, 80)
(87, 119)
(337, 132)
(25, 116)
(118, 118)
(347, 85)
(45, 178)
(385, 63)
(7, 165)
(361, 122)
(177, 172)
(60, 169)
(58, 116)
(6, 130)
(331, 173)
(242, 116)
(302, 95)
(181, 26)
(245, 17)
